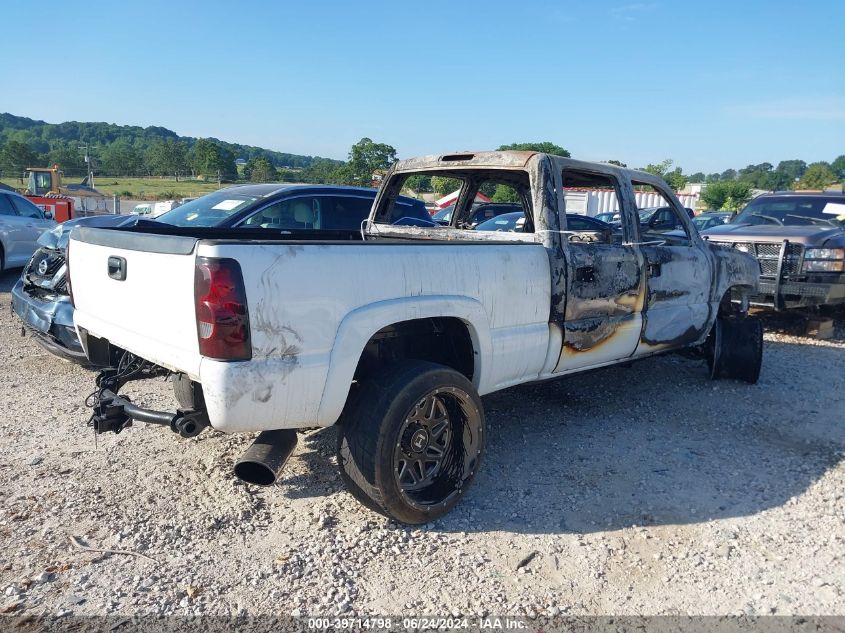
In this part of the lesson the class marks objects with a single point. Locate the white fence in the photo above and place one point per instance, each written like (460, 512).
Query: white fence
(593, 201)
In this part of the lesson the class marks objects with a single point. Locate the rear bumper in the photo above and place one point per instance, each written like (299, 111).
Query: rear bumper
(49, 322)
(243, 396)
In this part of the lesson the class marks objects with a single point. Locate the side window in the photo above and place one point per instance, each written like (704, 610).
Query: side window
(25, 208)
(586, 195)
(659, 218)
(297, 213)
(344, 213)
(495, 200)
(6, 205)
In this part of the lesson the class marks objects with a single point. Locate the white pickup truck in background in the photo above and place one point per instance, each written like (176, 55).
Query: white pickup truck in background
(395, 332)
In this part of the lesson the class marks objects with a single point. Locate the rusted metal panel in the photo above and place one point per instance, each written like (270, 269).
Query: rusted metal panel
(459, 160)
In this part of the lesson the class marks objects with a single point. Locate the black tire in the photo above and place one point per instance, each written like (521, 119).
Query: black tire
(735, 349)
(387, 438)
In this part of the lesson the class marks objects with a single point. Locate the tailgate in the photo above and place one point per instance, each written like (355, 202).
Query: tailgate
(137, 291)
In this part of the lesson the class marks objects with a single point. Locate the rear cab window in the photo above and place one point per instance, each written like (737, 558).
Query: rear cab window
(480, 201)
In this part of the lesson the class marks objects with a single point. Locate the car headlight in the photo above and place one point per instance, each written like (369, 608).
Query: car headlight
(827, 260)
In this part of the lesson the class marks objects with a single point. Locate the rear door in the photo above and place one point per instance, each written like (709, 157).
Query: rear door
(15, 234)
(33, 222)
(678, 276)
(603, 316)
(137, 291)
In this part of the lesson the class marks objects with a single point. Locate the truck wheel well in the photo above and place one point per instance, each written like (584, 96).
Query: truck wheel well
(442, 340)
(734, 301)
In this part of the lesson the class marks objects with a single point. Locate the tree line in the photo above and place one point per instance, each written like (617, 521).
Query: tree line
(126, 150)
(156, 151)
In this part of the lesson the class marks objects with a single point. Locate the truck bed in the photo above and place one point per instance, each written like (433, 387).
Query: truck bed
(313, 303)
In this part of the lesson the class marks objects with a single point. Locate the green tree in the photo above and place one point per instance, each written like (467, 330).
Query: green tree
(789, 172)
(121, 159)
(728, 195)
(545, 147)
(213, 160)
(818, 176)
(262, 171)
(697, 177)
(728, 174)
(838, 167)
(367, 157)
(167, 157)
(660, 169)
(15, 157)
(675, 179)
(443, 185)
(420, 184)
(321, 171)
(67, 156)
(504, 193)
(618, 163)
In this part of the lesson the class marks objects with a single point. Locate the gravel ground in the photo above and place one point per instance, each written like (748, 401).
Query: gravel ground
(641, 490)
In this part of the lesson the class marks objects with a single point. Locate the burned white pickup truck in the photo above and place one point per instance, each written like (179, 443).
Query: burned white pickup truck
(395, 332)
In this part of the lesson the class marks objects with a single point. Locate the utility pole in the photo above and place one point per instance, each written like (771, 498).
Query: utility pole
(90, 176)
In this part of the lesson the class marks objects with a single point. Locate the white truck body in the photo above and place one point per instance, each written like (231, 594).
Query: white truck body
(399, 331)
(314, 306)
(306, 348)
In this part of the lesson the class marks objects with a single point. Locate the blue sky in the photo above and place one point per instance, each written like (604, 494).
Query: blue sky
(711, 85)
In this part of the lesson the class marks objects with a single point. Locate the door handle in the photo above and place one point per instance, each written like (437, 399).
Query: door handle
(654, 270)
(585, 273)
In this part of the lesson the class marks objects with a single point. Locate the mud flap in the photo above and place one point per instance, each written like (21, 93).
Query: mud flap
(735, 349)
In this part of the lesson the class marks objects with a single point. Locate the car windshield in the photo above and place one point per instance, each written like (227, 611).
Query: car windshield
(444, 215)
(794, 211)
(505, 222)
(645, 214)
(210, 210)
(703, 222)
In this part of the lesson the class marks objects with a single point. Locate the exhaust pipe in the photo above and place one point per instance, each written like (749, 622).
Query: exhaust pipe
(263, 461)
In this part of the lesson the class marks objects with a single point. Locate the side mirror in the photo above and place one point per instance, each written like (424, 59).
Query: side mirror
(48, 215)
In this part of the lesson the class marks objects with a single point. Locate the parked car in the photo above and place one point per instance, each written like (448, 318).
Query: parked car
(515, 222)
(274, 333)
(291, 208)
(21, 224)
(480, 213)
(798, 240)
(708, 220)
(40, 297)
(609, 217)
(144, 209)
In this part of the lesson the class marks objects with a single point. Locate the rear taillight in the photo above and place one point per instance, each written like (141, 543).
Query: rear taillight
(222, 316)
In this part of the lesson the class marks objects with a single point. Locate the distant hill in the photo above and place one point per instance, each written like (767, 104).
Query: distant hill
(52, 139)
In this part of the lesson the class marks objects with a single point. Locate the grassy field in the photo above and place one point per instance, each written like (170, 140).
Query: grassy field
(142, 188)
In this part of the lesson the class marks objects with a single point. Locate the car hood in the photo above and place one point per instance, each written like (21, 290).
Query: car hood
(58, 237)
(807, 235)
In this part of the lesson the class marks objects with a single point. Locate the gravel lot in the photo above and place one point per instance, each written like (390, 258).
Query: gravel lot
(641, 490)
